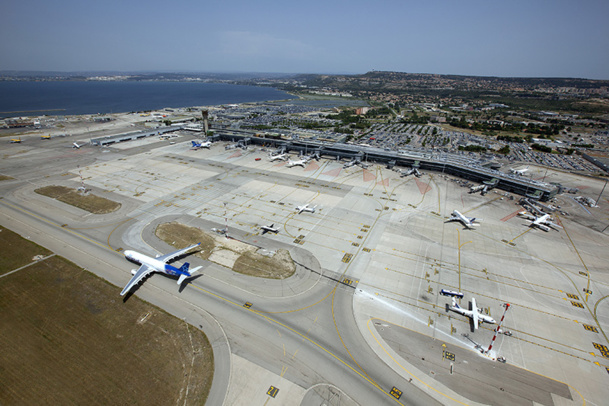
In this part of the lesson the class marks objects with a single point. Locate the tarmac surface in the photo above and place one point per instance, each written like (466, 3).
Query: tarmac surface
(361, 321)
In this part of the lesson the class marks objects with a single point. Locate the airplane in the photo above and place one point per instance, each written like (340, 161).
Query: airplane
(349, 164)
(466, 221)
(475, 315)
(519, 171)
(149, 265)
(301, 162)
(45, 137)
(266, 229)
(306, 207)
(542, 222)
(411, 171)
(16, 140)
(197, 145)
(75, 145)
(281, 157)
(477, 188)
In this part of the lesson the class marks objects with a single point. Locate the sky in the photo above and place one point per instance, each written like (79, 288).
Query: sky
(507, 38)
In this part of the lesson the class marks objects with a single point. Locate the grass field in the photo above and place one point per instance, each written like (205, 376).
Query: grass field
(22, 251)
(68, 338)
(91, 203)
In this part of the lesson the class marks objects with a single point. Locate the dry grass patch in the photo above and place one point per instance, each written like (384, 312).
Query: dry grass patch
(4, 177)
(239, 256)
(180, 236)
(22, 251)
(68, 338)
(278, 265)
(91, 203)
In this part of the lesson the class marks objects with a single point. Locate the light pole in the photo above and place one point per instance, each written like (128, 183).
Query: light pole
(459, 249)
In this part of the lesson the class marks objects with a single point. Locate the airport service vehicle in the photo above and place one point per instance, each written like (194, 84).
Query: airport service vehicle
(446, 292)
(159, 264)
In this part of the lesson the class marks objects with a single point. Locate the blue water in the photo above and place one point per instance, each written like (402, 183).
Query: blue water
(67, 98)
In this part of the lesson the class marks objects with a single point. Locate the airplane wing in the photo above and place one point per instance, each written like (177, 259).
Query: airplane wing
(141, 273)
(168, 257)
(541, 226)
(474, 310)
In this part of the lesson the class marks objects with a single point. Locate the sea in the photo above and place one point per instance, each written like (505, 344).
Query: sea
(58, 98)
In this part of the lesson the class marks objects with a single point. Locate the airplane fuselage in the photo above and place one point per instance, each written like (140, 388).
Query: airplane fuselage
(473, 314)
(158, 266)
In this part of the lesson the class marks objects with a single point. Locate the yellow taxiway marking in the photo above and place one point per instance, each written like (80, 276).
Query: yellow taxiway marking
(303, 336)
(520, 235)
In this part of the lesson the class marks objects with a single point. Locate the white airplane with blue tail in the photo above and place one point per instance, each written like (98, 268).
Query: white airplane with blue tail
(159, 264)
(197, 145)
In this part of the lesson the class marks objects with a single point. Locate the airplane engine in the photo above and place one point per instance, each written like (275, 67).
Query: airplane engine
(133, 271)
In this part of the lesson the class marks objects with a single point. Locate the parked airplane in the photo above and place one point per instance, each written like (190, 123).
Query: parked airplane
(16, 140)
(281, 157)
(306, 207)
(349, 164)
(266, 229)
(301, 162)
(76, 145)
(149, 265)
(477, 188)
(411, 171)
(519, 171)
(466, 221)
(475, 315)
(543, 222)
(198, 145)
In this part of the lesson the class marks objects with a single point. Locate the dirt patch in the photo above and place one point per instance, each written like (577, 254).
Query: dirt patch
(239, 256)
(78, 343)
(272, 265)
(179, 236)
(89, 202)
(4, 177)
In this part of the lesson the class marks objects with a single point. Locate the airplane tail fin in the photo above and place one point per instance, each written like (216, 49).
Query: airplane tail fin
(184, 269)
(455, 304)
(194, 144)
(187, 274)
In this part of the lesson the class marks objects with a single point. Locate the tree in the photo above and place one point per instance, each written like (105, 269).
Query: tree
(504, 150)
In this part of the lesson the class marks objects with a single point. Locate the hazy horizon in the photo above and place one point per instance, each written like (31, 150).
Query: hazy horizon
(528, 39)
